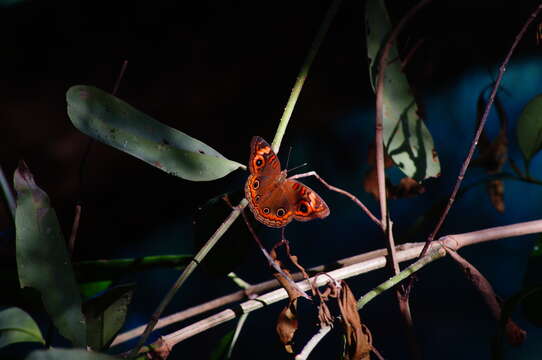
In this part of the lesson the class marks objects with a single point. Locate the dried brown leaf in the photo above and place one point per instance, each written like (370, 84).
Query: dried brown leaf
(358, 344)
(293, 292)
(324, 315)
(287, 325)
(514, 334)
(495, 189)
(407, 188)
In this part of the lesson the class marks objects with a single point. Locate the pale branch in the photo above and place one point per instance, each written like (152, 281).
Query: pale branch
(303, 73)
(454, 242)
(480, 128)
(340, 191)
(251, 292)
(385, 221)
(311, 344)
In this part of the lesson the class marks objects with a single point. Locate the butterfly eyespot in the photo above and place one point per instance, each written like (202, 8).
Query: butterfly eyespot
(257, 198)
(266, 211)
(303, 208)
(256, 184)
(281, 212)
(258, 161)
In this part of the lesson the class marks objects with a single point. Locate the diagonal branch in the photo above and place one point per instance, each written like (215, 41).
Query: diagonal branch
(481, 125)
(340, 191)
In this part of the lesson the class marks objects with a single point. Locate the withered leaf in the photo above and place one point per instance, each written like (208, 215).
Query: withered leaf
(493, 153)
(287, 325)
(495, 189)
(407, 188)
(358, 344)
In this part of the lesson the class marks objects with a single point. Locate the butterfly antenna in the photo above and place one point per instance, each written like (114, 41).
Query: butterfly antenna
(297, 167)
(288, 158)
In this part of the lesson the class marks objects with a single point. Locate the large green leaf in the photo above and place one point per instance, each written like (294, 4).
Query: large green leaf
(406, 138)
(42, 258)
(17, 326)
(529, 130)
(118, 124)
(105, 315)
(67, 354)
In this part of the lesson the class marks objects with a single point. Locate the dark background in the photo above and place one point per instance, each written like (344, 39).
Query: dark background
(221, 71)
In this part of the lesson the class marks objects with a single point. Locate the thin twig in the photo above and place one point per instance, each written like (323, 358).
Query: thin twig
(340, 191)
(75, 228)
(253, 290)
(451, 241)
(311, 344)
(272, 263)
(120, 76)
(8, 193)
(466, 163)
(381, 176)
(186, 273)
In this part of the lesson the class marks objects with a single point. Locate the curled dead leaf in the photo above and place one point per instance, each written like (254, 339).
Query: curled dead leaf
(495, 189)
(493, 154)
(407, 188)
(287, 325)
(358, 342)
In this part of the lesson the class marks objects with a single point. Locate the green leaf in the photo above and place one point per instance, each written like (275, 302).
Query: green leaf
(406, 138)
(529, 129)
(17, 326)
(42, 258)
(116, 123)
(94, 270)
(221, 349)
(92, 288)
(67, 354)
(105, 315)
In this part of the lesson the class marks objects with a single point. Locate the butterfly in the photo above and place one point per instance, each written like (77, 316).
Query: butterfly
(273, 198)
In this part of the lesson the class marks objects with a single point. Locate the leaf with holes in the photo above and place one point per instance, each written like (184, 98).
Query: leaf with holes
(406, 138)
(43, 262)
(529, 130)
(17, 326)
(112, 121)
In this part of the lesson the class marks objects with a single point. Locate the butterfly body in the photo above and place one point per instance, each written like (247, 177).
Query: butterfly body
(274, 199)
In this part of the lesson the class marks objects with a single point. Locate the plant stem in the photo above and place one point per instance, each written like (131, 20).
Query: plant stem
(302, 76)
(8, 193)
